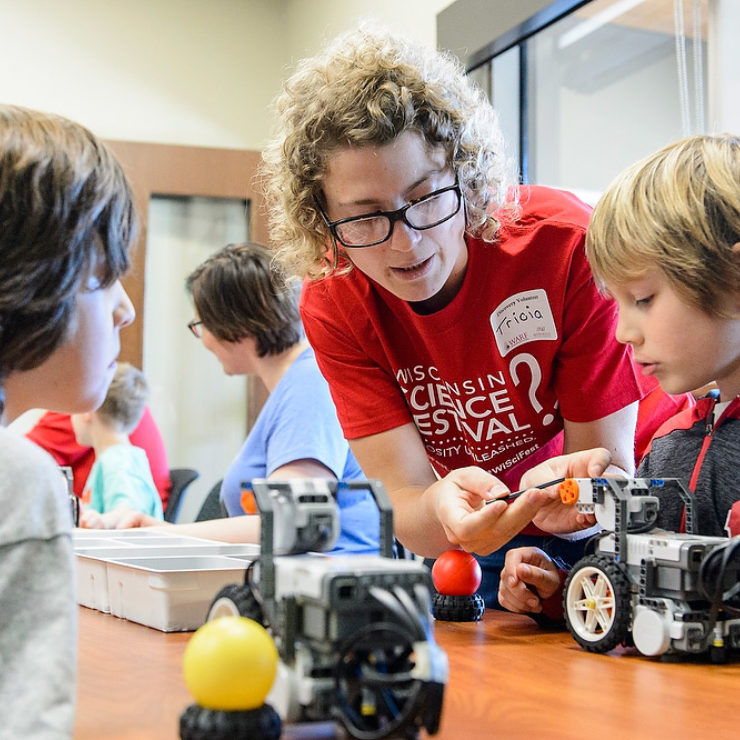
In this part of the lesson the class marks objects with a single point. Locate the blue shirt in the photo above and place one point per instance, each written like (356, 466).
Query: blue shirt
(299, 422)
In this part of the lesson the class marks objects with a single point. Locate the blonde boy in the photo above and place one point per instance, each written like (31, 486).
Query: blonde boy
(120, 479)
(664, 241)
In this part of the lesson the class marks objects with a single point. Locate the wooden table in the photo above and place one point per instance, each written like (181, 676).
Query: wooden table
(508, 679)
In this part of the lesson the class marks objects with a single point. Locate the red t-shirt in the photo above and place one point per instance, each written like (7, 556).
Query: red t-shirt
(55, 434)
(656, 407)
(487, 380)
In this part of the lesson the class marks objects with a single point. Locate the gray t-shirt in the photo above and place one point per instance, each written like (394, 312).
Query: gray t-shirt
(38, 612)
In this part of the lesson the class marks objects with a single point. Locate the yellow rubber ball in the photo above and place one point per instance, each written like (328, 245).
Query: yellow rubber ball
(230, 664)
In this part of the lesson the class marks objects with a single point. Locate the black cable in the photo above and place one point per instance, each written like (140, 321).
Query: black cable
(718, 600)
(383, 597)
(412, 610)
(423, 598)
(393, 683)
(712, 573)
(590, 547)
(403, 607)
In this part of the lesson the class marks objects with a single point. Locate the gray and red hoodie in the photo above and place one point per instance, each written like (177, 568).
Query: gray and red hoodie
(704, 452)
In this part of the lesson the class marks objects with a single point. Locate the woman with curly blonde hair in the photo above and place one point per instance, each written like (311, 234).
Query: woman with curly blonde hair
(362, 103)
(452, 313)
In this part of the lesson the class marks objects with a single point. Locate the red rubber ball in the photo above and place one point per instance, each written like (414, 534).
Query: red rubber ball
(456, 573)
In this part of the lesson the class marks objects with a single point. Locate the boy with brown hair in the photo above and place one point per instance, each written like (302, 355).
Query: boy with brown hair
(67, 221)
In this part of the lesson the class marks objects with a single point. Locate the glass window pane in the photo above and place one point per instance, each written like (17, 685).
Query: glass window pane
(608, 87)
(201, 412)
(506, 98)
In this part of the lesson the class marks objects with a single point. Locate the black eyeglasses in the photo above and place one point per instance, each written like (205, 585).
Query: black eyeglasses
(374, 228)
(194, 327)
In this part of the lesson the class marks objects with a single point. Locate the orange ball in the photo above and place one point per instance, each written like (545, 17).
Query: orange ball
(456, 573)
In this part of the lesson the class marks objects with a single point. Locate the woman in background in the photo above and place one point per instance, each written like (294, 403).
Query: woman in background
(247, 316)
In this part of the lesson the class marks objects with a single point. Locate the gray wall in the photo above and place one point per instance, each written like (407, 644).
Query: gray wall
(468, 25)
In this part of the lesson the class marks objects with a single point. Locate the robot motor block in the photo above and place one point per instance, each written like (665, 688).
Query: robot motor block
(354, 633)
(669, 593)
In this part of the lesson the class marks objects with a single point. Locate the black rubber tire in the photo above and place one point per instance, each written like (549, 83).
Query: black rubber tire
(597, 627)
(447, 608)
(236, 599)
(199, 723)
(432, 710)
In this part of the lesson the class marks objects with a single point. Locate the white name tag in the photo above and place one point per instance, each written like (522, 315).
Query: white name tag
(522, 318)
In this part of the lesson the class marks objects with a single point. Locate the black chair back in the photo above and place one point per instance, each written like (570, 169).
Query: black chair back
(212, 508)
(181, 478)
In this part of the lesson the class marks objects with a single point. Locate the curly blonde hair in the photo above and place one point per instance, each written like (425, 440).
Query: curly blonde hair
(678, 210)
(367, 88)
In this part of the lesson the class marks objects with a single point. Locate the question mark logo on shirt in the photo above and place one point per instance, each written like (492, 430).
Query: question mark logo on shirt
(535, 379)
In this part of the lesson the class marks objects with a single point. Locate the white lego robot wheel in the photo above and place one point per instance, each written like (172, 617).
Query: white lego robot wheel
(596, 604)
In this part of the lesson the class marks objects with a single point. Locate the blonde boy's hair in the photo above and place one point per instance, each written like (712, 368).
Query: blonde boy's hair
(367, 88)
(677, 210)
(126, 399)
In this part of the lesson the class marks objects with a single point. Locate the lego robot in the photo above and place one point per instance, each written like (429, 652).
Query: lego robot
(667, 593)
(353, 633)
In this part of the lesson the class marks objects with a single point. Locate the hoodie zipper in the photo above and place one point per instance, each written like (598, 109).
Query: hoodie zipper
(708, 431)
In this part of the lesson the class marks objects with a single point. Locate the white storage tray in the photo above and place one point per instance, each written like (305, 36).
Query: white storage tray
(160, 580)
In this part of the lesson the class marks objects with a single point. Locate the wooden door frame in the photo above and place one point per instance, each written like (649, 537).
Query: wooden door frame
(167, 169)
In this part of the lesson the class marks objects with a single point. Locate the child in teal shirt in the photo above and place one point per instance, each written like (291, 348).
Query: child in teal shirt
(120, 479)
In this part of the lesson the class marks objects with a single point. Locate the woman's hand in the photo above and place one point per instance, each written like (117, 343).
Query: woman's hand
(555, 516)
(459, 501)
